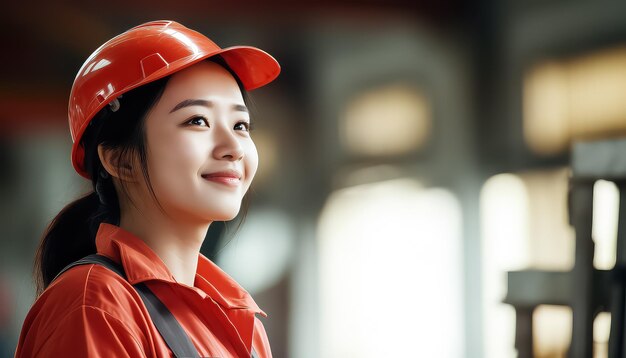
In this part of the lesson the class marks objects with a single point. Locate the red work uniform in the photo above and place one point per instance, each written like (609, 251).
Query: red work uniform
(91, 311)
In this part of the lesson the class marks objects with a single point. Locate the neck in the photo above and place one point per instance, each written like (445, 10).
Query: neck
(177, 243)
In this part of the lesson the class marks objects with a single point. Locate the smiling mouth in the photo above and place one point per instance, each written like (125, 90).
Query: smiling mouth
(223, 178)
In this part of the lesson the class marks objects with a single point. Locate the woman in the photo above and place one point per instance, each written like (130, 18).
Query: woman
(160, 126)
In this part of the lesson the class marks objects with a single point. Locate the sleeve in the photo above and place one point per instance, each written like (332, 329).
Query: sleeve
(85, 332)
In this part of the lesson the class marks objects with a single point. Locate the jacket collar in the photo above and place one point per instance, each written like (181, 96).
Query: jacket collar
(142, 264)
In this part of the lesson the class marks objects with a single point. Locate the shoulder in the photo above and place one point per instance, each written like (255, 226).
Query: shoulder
(87, 311)
(91, 287)
(84, 302)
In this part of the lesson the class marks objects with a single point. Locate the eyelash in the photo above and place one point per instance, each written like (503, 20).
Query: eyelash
(206, 122)
(247, 125)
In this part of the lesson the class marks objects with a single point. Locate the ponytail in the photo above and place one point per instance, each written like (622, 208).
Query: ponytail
(69, 237)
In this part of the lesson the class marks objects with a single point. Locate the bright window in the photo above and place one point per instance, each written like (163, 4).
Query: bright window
(391, 272)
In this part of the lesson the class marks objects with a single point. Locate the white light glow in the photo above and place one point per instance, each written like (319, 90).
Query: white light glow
(505, 224)
(605, 218)
(391, 272)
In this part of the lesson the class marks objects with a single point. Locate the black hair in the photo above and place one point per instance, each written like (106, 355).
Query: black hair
(71, 235)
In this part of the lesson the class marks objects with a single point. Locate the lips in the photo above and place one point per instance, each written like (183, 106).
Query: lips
(228, 177)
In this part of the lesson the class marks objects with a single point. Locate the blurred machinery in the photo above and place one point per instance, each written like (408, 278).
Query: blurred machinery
(585, 289)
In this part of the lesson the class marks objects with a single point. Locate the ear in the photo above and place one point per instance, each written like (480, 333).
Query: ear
(115, 165)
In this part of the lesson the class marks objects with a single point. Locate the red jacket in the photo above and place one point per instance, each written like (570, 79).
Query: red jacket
(92, 312)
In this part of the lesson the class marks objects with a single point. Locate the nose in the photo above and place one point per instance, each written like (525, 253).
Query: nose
(227, 145)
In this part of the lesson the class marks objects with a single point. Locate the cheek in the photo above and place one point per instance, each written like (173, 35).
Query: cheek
(171, 152)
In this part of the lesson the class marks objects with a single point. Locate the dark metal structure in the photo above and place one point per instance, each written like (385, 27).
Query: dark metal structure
(585, 289)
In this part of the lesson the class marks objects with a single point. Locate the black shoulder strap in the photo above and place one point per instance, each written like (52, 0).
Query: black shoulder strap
(96, 259)
(172, 332)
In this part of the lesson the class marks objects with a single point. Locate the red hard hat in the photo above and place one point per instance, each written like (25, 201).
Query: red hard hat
(144, 54)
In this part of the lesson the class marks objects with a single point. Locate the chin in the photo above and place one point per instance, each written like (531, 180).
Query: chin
(224, 215)
(224, 218)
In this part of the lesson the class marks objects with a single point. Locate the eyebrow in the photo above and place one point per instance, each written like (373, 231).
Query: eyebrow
(205, 103)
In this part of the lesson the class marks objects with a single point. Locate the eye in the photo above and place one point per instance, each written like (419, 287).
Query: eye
(198, 121)
(245, 126)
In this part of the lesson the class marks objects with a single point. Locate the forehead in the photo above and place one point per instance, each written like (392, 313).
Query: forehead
(204, 80)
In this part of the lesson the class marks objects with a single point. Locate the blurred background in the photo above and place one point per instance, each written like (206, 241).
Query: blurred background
(412, 153)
